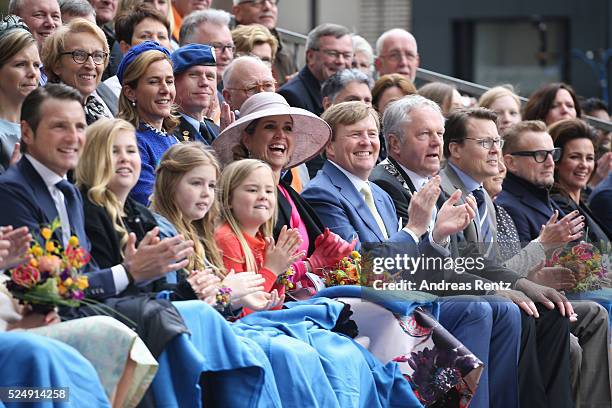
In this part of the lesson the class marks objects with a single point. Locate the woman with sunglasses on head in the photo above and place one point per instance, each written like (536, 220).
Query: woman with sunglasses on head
(575, 167)
(77, 54)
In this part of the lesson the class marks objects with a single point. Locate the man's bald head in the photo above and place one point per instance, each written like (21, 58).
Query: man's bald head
(397, 53)
(244, 77)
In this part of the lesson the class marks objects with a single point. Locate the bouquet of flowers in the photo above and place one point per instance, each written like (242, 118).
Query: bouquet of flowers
(585, 262)
(346, 272)
(50, 276)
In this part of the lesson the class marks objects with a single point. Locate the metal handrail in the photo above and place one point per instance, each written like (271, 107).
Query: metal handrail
(471, 88)
(477, 90)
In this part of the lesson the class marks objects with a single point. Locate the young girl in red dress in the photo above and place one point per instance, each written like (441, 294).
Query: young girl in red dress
(248, 208)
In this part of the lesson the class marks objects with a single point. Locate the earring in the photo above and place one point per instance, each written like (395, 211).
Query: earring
(134, 103)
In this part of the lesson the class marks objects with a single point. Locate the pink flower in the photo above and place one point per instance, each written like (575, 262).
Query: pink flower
(49, 263)
(25, 276)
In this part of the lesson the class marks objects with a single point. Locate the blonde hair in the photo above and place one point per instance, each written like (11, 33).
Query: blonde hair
(132, 75)
(176, 161)
(488, 98)
(233, 176)
(348, 113)
(54, 45)
(96, 169)
(246, 37)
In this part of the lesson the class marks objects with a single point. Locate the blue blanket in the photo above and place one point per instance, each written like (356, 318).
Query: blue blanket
(29, 360)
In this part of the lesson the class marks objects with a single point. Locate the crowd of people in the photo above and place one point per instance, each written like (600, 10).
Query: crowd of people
(214, 183)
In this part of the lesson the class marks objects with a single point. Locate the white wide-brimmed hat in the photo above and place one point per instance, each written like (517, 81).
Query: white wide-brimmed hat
(311, 133)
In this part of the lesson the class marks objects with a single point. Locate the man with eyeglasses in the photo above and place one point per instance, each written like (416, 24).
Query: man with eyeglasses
(329, 49)
(245, 77)
(413, 129)
(210, 27)
(397, 53)
(265, 12)
(530, 155)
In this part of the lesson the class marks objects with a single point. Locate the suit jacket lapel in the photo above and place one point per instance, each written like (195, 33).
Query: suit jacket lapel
(472, 231)
(354, 197)
(39, 190)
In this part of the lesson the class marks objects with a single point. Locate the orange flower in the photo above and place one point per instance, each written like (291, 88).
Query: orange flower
(50, 263)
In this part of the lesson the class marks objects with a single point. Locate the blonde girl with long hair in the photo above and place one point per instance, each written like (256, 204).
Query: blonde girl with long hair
(185, 196)
(247, 192)
(108, 169)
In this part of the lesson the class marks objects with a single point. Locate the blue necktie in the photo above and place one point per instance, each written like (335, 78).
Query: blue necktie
(486, 234)
(74, 210)
(206, 133)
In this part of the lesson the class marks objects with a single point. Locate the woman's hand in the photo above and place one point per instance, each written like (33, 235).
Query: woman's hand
(259, 301)
(280, 255)
(330, 248)
(243, 284)
(205, 284)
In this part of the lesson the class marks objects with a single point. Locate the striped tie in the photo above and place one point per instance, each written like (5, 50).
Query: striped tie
(486, 234)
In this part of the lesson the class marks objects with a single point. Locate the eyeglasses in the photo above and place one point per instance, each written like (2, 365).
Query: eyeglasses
(540, 156)
(268, 86)
(397, 56)
(259, 3)
(223, 47)
(80, 56)
(488, 143)
(336, 54)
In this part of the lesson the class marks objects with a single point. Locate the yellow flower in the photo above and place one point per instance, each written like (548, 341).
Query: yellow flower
(37, 251)
(355, 255)
(50, 246)
(68, 282)
(83, 282)
(46, 233)
(73, 241)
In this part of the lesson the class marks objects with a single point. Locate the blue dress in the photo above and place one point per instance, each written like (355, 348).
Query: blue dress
(152, 144)
(29, 360)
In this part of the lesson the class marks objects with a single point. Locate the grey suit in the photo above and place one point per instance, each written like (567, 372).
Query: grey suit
(450, 183)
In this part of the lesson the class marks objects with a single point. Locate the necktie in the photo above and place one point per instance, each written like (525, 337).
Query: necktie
(206, 133)
(367, 195)
(486, 234)
(73, 209)
(94, 110)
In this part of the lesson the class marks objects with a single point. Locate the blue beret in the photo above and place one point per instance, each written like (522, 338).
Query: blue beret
(134, 52)
(193, 54)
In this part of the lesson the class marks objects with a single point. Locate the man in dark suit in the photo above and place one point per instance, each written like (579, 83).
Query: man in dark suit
(329, 48)
(195, 74)
(35, 191)
(472, 146)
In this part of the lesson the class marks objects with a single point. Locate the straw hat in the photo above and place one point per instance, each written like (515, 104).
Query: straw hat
(310, 132)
